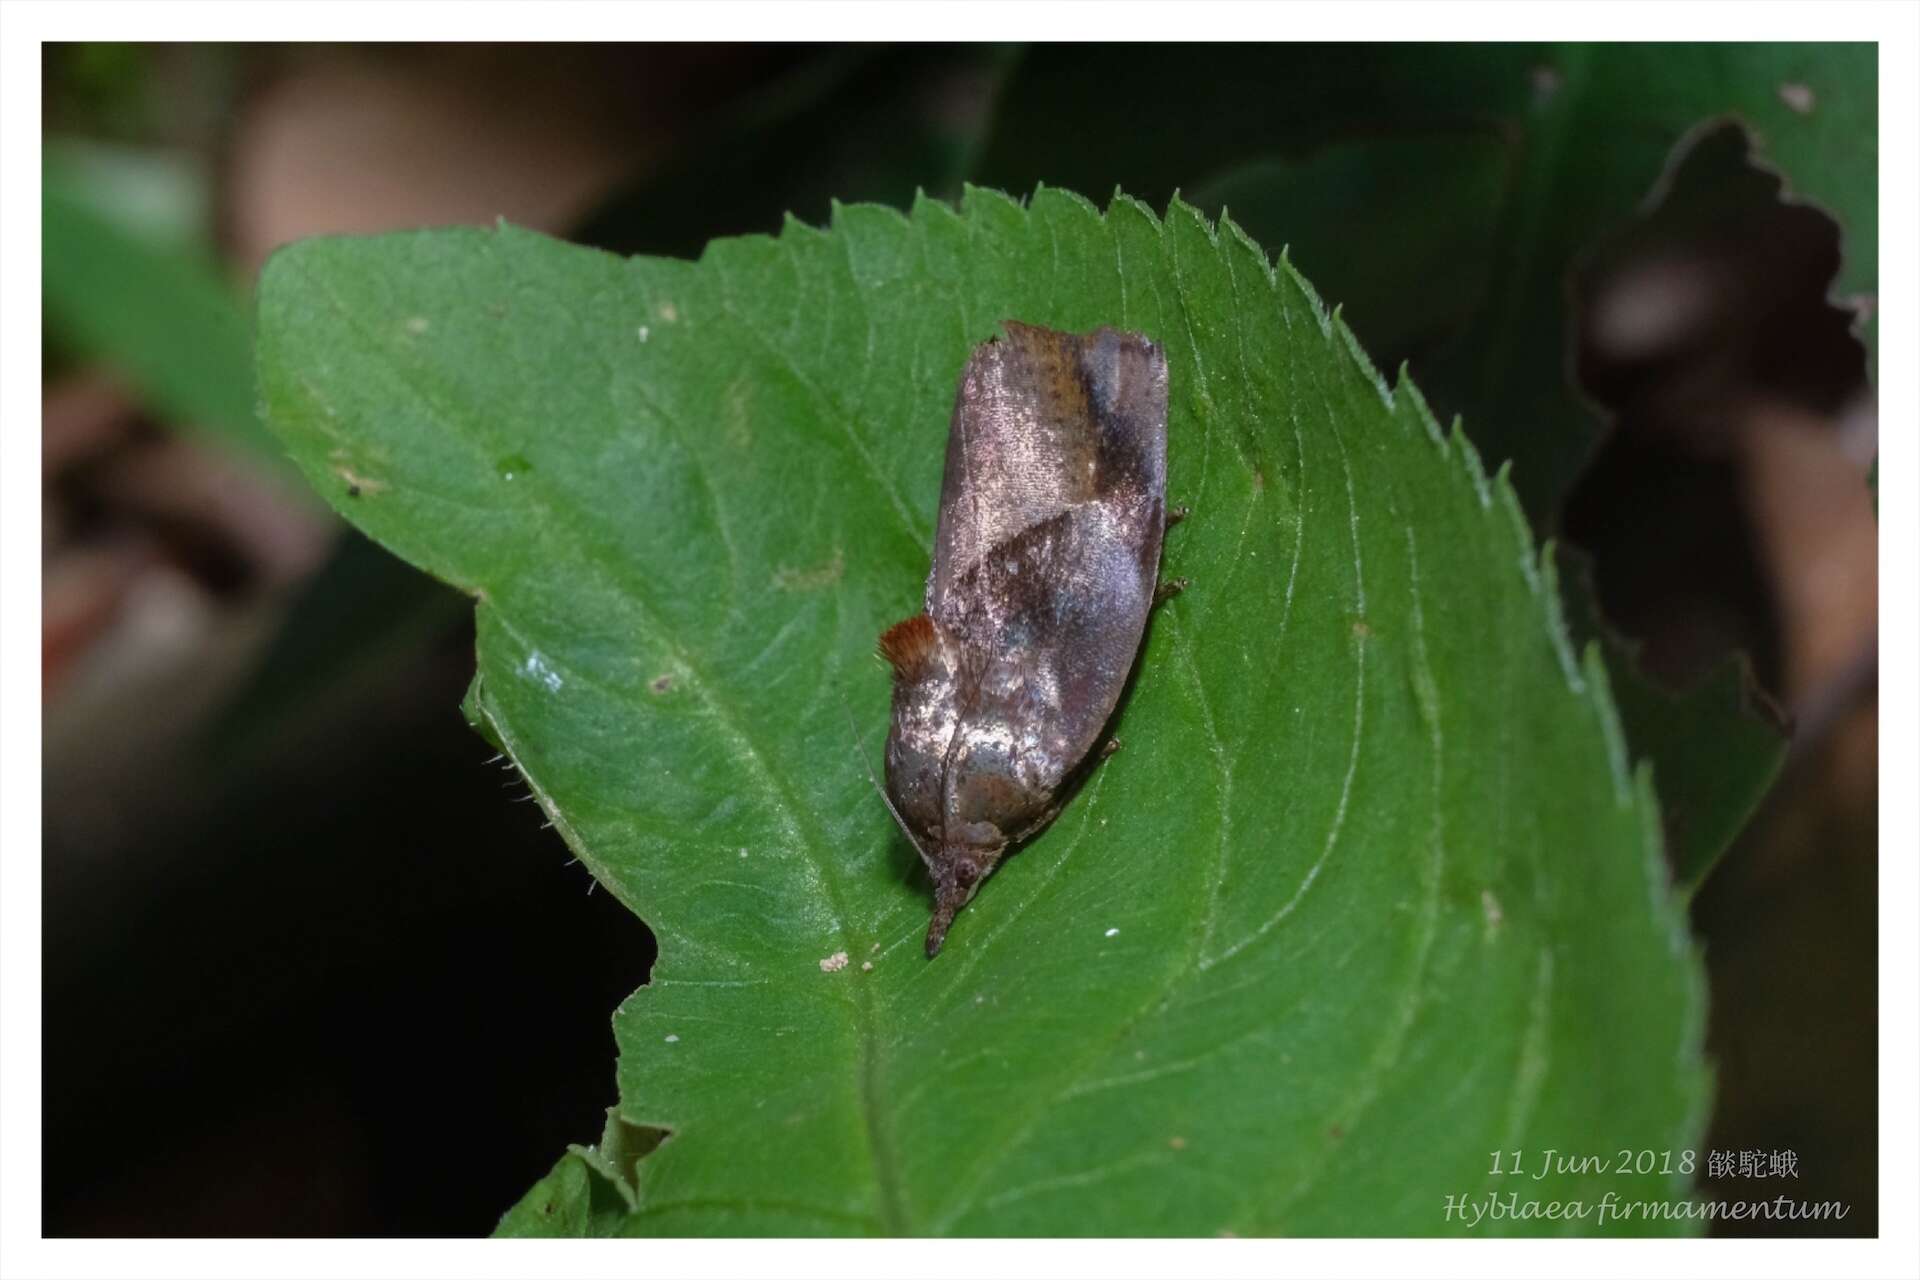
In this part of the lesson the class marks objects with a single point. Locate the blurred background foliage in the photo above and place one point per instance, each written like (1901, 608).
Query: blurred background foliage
(282, 884)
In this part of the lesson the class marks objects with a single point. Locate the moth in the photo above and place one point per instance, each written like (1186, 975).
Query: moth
(1046, 564)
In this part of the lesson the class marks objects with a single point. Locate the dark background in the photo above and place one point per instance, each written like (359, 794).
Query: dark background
(313, 968)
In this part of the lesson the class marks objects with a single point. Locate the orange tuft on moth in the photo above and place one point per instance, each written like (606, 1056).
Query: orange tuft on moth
(909, 645)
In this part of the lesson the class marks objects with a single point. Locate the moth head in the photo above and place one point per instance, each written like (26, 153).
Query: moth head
(957, 873)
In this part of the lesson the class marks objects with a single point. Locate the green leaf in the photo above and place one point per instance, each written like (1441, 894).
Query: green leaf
(1586, 132)
(1363, 217)
(1378, 163)
(575, 1199)
(1602, 124)
(147, 299)
(1715, 748)
(1371, 892)
(592, 1191)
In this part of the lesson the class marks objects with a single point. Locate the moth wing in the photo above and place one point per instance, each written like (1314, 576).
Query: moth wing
(1060, 612)
(1045, 422)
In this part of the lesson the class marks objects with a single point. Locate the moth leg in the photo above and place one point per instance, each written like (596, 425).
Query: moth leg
(1111, 745)
(1168, 588)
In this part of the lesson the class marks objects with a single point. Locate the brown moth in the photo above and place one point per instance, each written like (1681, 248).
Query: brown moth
(1045, 566)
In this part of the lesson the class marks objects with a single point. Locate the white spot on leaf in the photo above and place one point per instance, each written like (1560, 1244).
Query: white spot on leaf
(834, 963)
(536, 668)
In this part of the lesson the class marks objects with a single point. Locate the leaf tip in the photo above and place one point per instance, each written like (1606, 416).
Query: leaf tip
(1357, 354)
(794, 227)
(1408, 399)
(1309, 294)
(1237, 238)
(1124, 203)
(1179, 211)
(978, 201)
(1047, 199)
(1599, 692)
(1543, 574)
(1469, 459)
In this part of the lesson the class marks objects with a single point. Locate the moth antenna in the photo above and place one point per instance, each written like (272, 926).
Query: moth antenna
(860, 747)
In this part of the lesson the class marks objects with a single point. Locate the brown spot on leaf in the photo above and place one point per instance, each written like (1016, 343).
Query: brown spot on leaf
(789, 579)
(358, 486)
